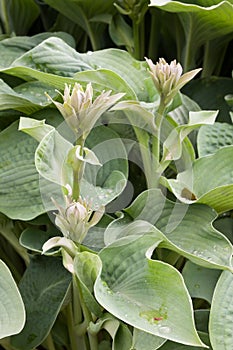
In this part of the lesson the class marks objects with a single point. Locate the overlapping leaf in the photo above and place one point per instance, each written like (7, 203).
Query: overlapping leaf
(145, 293)
(197, 184)
(221, 322)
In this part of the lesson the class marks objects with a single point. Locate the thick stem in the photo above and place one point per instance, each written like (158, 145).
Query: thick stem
(137, 41)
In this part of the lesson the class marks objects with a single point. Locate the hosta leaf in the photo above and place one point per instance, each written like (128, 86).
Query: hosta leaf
(50, 157)
(53, 55)
(201, 243)
(200, 22)
(197, 184)
(20, 196)
(221, 313)
(12, 314)
(213, 137)
(172, 147)
(146, 341)
(132, 71)
(43, 298)
(26, 98)
(86, 267)
(169, 345)
(35, 128)
(200, 281)
(121, 33)
(148, 294)
(13, 48)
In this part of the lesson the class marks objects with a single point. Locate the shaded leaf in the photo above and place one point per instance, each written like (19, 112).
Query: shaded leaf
(43, 298)
(200, 281)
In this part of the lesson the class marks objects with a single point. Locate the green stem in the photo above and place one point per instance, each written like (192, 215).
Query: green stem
(137, 41)
(49, 342)
(156, 141)
(154, 35)
(93, 340)
(189, 52)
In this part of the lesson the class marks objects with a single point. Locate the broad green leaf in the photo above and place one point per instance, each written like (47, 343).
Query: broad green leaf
(53, 55)
(132, 71)
(13, 48)
(172, 147)
(200, 281)
(145, 293)
(201, 243)
(43, 297)
(221, 313)
(146, 341)
(86, 267)
(20, 196)
(12, 312)
(26, 98)
(102, 79)
(225, 225)
(201, 22)
(197, 184)
(213, 137)
(18, 15)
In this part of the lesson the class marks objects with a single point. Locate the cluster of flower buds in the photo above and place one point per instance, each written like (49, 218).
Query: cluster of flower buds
(75, 220)
(79, 109)
(168, 78)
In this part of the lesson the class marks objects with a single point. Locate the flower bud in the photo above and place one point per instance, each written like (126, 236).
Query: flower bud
(168, 78)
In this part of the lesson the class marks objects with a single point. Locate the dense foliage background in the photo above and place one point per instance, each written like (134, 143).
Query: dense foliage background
(45, 44)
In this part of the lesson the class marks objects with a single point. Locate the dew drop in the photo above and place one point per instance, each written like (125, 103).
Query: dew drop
(197, 285)
(164, 329)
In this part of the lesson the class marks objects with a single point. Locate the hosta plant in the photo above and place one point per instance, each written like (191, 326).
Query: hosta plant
(116, 191)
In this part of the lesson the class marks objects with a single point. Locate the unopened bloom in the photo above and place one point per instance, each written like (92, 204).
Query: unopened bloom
(75, 220)
(168, 78)
(80, 110)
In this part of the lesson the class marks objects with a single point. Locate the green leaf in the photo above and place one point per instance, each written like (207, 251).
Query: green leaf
(50, 158)
(201, 22)
(200, 281)
(86, 267)
(53, 55)
(33, 239)
(201, 243)
(133, 72)
(27, 98)
(43, 297)
(146, 341)
(221, 314)
(12, 314)
(18, 15)
(145, 293)
(169, 345)
(35, 128)
(13, 48)
(172, 219)
(172, 147)
(20, 196)
(121, 33)
(213, 137)
(197, 184)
